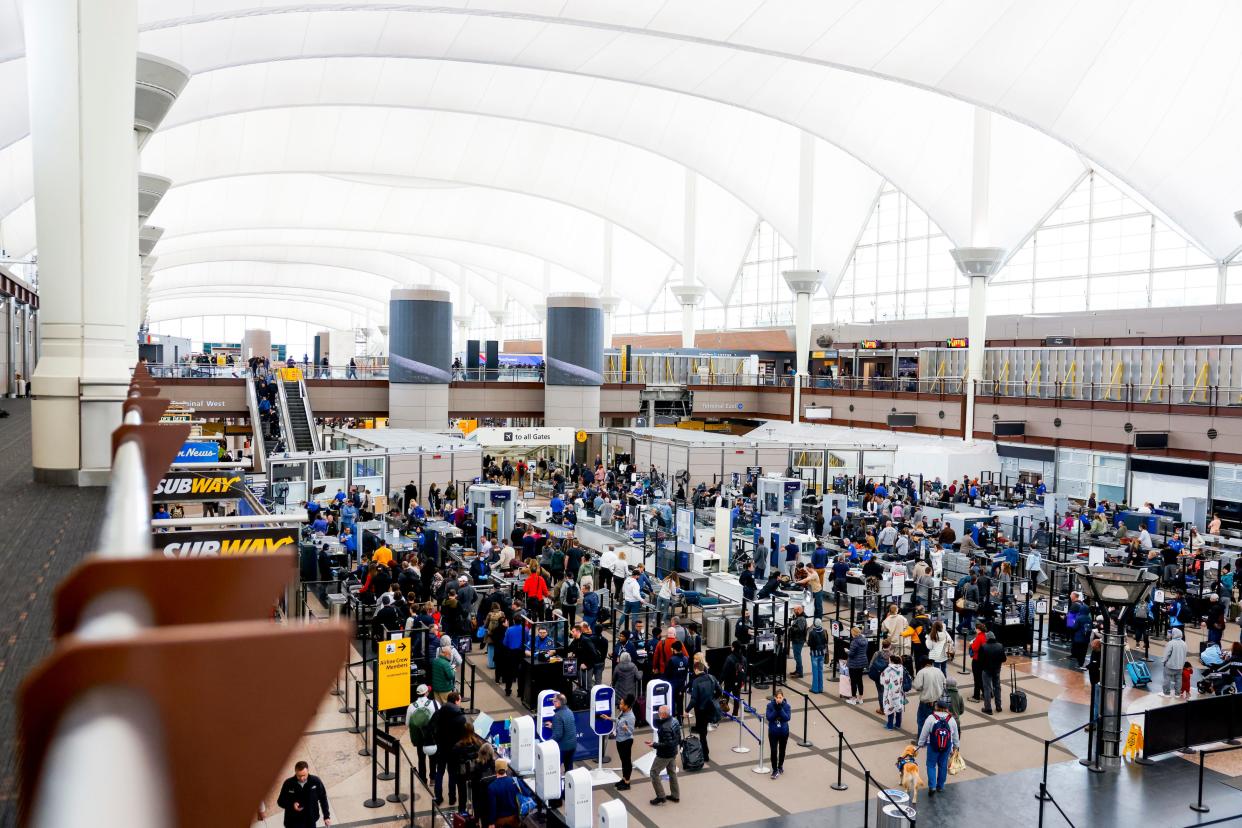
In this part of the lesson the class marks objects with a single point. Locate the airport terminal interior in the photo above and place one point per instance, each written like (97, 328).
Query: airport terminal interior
(522, 413)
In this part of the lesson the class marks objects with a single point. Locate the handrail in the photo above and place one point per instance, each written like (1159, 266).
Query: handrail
(258, 446)
(111, 727)
(310, 415)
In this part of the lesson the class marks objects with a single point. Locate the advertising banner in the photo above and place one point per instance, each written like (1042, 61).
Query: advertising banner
(205, 452)
(225, 542)
(205, 485)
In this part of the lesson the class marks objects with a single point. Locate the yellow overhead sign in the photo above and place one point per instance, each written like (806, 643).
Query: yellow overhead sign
(467, 426)
(393, 674)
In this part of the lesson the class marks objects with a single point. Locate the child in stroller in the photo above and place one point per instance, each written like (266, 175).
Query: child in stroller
(1218, 681)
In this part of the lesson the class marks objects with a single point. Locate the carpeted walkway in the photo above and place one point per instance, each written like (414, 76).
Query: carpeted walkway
(44, 531)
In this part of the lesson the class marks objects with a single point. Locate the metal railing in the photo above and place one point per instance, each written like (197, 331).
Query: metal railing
(107, 738)
(1127, 393)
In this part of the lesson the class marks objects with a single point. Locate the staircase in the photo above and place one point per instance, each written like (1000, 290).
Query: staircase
(300, 435)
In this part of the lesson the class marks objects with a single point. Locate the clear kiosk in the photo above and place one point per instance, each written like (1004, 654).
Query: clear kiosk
(494, 509)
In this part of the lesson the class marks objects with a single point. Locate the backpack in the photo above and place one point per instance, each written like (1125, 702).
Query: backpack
(1141, 611)
(941, 736)
(817, 640)
(418, 723)
(1071, 620)
(572, 593)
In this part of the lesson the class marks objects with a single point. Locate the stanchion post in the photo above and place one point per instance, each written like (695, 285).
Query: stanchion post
(1043, 783)
(1199, 807)
(413, 796)
(396, 795)
(965, 646)
(357, 728)
(806, 710)
(759, 768)
(840, 785)
(365, 750)
(866, 797)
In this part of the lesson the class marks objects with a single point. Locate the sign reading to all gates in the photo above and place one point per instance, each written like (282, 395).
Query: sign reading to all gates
(206, 452)
(204, 485)
(393, 675)
(225, 542)
(545, 436)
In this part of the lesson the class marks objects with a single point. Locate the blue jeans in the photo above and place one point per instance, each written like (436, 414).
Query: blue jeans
(937, 768)
(894, 721)
(817, 672)
(797, 654)
(925, 710)
(663, 607)
(818, 597)
(491, 656)
(631, 609)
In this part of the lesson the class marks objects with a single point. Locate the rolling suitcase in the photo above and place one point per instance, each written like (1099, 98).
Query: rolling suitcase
(691, 754)
(1137, 670)
(1017, 698)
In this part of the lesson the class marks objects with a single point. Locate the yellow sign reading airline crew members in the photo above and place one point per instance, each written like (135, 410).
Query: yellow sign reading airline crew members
(581, 436)
(394, 674)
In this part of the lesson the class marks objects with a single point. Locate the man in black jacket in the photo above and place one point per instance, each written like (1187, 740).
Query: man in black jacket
(667, 746)
(303, 797)
(448, 724)
(703, 702)
(991, 657)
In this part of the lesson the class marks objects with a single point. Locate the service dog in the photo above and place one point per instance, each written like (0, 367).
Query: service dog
(908, 767)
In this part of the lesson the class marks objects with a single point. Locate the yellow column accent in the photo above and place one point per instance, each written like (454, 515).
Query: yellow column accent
(1200, 383)
(1037, 374)
(1114, 384)
(1156, 380)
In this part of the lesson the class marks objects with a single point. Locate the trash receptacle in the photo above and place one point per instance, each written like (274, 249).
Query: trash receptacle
(894, 816)
(714, 631)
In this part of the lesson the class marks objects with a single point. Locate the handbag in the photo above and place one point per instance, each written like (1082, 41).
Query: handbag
(956, 763)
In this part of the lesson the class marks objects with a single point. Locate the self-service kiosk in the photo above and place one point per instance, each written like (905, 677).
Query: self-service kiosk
(493, 508)
(659, 694)
(579, 799)
(603, 711)
(547, 771)
(612, 814)
(544, 708)
(522, 745)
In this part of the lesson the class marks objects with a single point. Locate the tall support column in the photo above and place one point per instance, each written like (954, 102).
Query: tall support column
(978, 263)
(8, 346)
(575, 361)
(804, 284)
(607, 300)
(689, 293)
(462, 319)
(420, 357)
(81, 68)
(256, 342)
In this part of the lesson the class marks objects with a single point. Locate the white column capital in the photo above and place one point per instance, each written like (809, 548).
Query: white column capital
(803, 281)
(610, 303)
(688, 295)
(159, 82)
(1237, 216)
(151, 188)
(978, 261)
(148, 236)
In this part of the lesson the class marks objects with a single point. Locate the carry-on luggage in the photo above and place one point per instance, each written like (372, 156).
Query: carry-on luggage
(1137, 670)
(1017, 698)
(691, 753)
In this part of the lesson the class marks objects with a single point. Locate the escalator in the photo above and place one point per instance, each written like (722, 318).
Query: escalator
(257, 441)
(297, 416)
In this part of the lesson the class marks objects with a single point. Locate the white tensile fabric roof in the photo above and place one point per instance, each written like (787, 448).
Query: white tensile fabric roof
(485, 141)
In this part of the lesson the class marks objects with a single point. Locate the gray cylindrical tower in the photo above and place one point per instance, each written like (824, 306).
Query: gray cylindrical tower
(256, 342)
(575, 361)
(420, 358)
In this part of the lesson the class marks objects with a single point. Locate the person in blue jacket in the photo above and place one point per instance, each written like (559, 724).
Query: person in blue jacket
(564, 731)
(778, 715)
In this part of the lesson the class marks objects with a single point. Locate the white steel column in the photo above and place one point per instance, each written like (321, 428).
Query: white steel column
(81, 66)
(805, 281)
(978, 263)
(607, 300)
(689, 293)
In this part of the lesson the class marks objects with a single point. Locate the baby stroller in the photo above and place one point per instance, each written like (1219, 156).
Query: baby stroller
(1218, 681)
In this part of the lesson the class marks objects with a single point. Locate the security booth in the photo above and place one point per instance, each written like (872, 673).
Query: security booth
(493, 508)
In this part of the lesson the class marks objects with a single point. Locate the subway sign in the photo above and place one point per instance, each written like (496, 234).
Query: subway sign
(870, 344)
(212, 485)
(225, 543)
(957, 342)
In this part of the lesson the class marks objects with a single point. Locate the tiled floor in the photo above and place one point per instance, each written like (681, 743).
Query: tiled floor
(728, 791)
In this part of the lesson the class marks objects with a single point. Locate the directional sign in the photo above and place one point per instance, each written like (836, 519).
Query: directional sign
(393, 674)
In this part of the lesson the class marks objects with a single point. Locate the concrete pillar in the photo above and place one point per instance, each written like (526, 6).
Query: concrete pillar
(342, 343)
(420, 357)
(689, 293)
(575, 361)
(609, 305)
(804, 284)
(499, 317)
(256, 342)
(462, 320)
(978, 263)
(8, 343)
(81, 70)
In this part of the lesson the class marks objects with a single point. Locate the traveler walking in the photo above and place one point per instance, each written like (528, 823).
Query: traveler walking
(940, 735)
(1174, 658)
(668, 742)
(303, 796)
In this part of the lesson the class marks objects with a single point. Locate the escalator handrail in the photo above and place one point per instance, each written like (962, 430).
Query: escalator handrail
(259, 448)
(310, 417)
